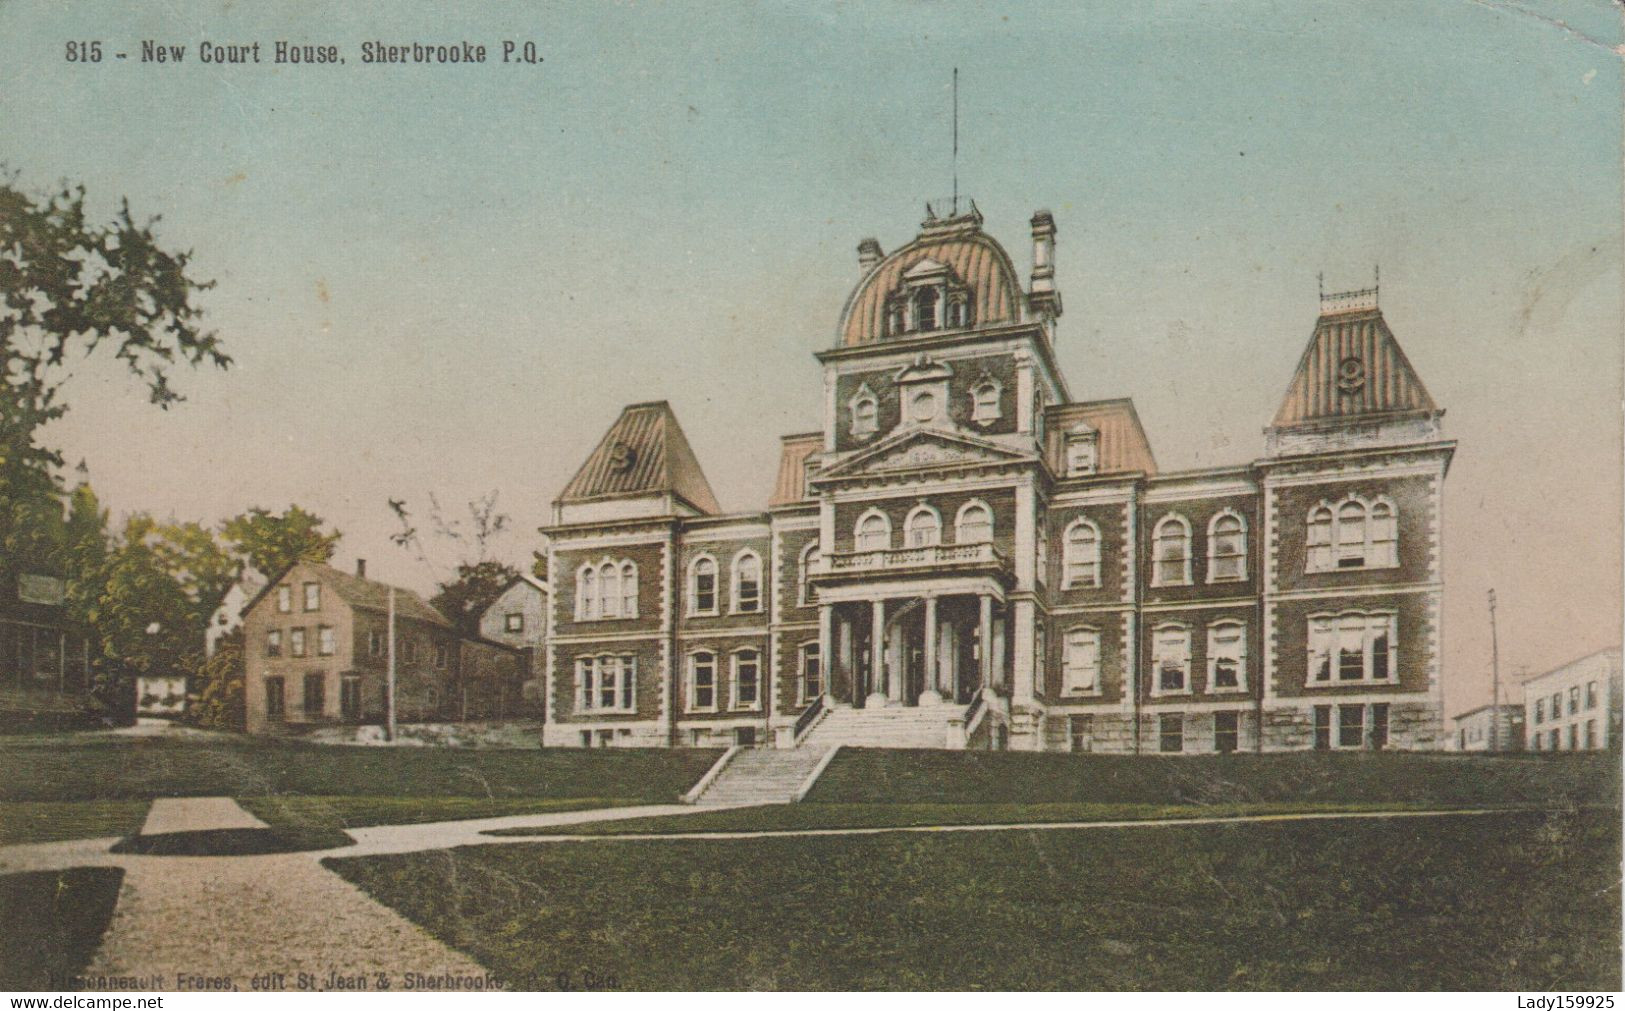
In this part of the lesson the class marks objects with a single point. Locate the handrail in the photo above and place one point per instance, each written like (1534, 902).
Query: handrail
(812, 777)
(974, 714)
(808, 717)
(711, 774)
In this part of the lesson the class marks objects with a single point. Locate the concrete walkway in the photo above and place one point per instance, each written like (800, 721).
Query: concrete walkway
(195, 814)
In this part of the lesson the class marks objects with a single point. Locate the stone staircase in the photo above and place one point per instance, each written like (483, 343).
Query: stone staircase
(763, 776)
(883, 727)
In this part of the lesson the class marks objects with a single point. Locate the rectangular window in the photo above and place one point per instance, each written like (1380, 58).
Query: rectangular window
(1540, 710)
(1354, 647)
(1553, 739)
(375, 643)
(1171, 732)
(1227, 656)
(606, 683)
(1379, 726)
(1081, 731)
(1591, 734)
(276, 698)
(1080, 668)
(702, 682)
(747, 679)
(1574, 699)
(812, 673)
(273, 642)
(1350, 726)
(313, 596)
(315, 695)
(325, 643)
(284, 599)
(442, 656)
(606, 738)
(1323, 728)
(705, 592)
(409, 650)
(1040, 661)
(513, 623)
(1171, 660)
(1591, 694)
(1573, 736)
(296, 641)
(1226, 732)
(350, 697)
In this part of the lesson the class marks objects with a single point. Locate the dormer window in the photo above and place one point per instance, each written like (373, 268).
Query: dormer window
(958, 316)
(1082, 451)
(925, 309)
(865, 407)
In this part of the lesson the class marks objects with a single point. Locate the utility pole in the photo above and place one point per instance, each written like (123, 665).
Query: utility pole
(389, 682)
(1495, 675)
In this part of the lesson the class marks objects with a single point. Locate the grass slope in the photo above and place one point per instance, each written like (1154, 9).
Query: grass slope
(51, 922)
(877, 776)
(356, 812)
(137, 768)
(1531, 902)
(53, 820)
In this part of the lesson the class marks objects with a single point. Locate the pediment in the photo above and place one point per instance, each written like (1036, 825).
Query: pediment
(927, 267)
(922, 450)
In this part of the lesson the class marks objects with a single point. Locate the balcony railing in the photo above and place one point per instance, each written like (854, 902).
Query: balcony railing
(930, 556)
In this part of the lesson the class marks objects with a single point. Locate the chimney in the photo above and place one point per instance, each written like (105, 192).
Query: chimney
(1042, 297)
(361, 568)
(869, 254)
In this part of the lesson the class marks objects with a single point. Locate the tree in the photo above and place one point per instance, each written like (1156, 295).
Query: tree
(474, 589)
(143, 617)
(218, 682)
(271, 543)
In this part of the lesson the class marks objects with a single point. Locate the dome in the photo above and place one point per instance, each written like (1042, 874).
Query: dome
(973, 261)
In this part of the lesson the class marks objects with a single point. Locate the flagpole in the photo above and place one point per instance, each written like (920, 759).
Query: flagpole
(389, 683)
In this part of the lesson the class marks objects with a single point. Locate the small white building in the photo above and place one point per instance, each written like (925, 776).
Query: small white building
(1575, 707)
(1475, 729)
(228, 617)
(518, 618)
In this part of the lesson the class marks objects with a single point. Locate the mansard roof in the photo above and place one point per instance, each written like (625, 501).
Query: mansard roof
(1353, 368)
(791, 485)
(644, 453)
(1122, 446)
(974, 259)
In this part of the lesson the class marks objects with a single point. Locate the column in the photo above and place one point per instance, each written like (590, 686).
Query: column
(930, 695)
(897, 673)
(826, 649)
(984, 645)
(877, 651)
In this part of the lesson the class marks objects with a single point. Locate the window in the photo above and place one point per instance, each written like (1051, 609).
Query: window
(442, 655)
(1350, 726)
(607, 590)
(1591, 694)
(925, 309)
(1171, 660)
(1226, 732)
(1226, 548)
(1357, 534)
(1352, 647)
(1323, 728)
(606, 683)
(409, 649)
(325, 644)
(1080, 665)
(985, 401)
(1574, 699)
(315, 695)
(873, 532)
(974, 525)
(350, 697)
(1081, 732)
(629, 590)
(375, 643)
(1591, 734)
(1540, 710)
(1573, 736)
(956, 312)
(812, 672)
(894, 319)
(296, 641)
(1553, 739)
(702, 585)
(1227, 656)
(1082, 454)
(1171, 552)
(702, 681)
(284, 599)
(865, 408)
(273, 642)
(747, 679)
(313, 596)
(1171, 732)
(747, 589)
(1557, 704)
(1041, 566)
(276, 698)
(810, 556)
(923, 528)
(513, 623)
(1080, 560)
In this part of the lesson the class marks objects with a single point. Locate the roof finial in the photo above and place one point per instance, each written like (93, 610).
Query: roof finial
(1320, 283)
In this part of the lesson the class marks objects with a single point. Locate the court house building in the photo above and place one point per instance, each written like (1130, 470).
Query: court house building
(966, 555)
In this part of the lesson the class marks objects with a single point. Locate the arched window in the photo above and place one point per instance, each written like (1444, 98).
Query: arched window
(586, 594)
(925, 309)
(923, 528)
(747, 588)
(1171, 552)
(974, 524)
(873, 531)
(702, 681)
(865, 408)
(1384, 534)
(957, 312)
(1227, 656)
(1352, 646)
(1080, 663)
(894, 319)
(1170, 659)
(1356, 534)
(609, 590)
(702, 585)
(1320, 538)
(747, 679)
(1226, 547)
(810, 556)
(1081, 555)
(629, 590)
(1350, 544)
(985, 401)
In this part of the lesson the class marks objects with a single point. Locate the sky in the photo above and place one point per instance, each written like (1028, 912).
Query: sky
(447, 280)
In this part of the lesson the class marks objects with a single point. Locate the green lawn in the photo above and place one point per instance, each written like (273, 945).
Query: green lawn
(102, 768)
(1517, 901)
(870, 776)
(356, 812)
(51, 820)
(824, 816)
(51, 923)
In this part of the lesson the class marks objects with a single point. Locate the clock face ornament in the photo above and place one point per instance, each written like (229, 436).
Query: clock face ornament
(621, 457)
(1351, 375)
